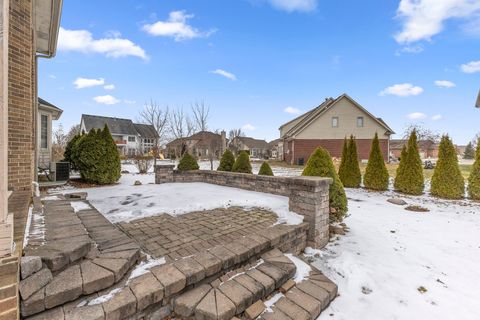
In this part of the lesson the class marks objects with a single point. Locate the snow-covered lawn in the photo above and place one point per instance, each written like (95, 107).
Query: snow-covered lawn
(390, 253)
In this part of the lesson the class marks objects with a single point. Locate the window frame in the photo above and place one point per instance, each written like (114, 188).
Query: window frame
(43, 130)
(363, 122)
(335, 125)
(131, 137)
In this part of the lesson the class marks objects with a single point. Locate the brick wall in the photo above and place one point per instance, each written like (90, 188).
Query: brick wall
(303, 148)
(308, 196)
(21, 86)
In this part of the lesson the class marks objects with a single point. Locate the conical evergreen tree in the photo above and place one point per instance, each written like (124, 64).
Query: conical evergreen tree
(474, 178)
(68, 154)
(342, 169)
(376, 173)
(187, 163)
(351, 177)
(265, 170)
(320, 164)
(409, 177)
(111, 163)
(447, 180)
(469, 152)
(242, 164)
(227, 161)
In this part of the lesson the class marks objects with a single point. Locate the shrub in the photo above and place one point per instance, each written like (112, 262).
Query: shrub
(68, 154)
(343, 161)
(242, 164)
(474, 178)
(376, 173)
(187, 163)
(265, 170)
(320, 164)
(143, 163)
(351, 176)
(97, 157)
(409, 177)
(447, 180)
(227, 161)
(469, 152)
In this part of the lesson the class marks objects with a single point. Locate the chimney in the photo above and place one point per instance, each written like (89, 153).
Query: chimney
(224, 140)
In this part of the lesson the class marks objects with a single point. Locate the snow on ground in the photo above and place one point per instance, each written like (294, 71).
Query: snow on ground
(390, 253)
(79, 206)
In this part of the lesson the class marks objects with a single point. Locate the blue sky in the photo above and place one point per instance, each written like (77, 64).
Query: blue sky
(257, 63)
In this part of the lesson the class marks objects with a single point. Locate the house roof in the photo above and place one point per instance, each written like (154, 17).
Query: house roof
(422, 144)
(56, 111)
(310, 116)
(146, 130)
(200, 137)
(47, 23)
(254, 143)
(118, 126)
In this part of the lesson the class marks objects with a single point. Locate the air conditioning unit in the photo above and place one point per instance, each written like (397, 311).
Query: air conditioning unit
(60, 171)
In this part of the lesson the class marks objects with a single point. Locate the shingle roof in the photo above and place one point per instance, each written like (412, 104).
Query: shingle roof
(118, 126)
(254, 143)
(48, 104)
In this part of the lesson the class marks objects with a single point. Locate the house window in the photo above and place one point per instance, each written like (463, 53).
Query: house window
(334, 122)
(360, 122)
(44, 131)
(131, 139)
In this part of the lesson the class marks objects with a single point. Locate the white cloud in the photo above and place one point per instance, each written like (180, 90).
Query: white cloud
(81, 83)
(248, 127)
(402, 90)
(416, 116)
(225, 74)
(444, 84)
(109, 87)
(129, 101)
(410, 50)
(292, 110)
(437, 117)
(422, 19)
(107, 99)
(176, 27)
(471, 67)
(82, 41)
(294, 5)
(52, 76)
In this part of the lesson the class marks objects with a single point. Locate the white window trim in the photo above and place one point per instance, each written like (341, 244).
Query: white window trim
(337, 124)
(363, 122)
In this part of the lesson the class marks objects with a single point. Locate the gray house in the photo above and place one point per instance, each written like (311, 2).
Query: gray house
(130, 138)
(46, 114)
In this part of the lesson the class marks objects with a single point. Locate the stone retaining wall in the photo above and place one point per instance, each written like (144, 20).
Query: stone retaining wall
(308, 196)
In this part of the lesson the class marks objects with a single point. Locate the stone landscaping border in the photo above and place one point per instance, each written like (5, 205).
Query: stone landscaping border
(308, 196)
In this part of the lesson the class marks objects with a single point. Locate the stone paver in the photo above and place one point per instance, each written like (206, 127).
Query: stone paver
(194, 232)
(193, 271)
(257, 290)
(276, 314)
(34, 283)
(316, 292)
(267, 282)
(186, 303)
(305, 301)
(53, 314)
(118, 266)
(170, 277)
(66, 286)
(291, 309)
(241, 297)
(30, 265)
(254, 310)
(280, 276)
(95, 278)
(228, 258)
(94, 312)
(34, 304)
(121, 306)
(211, 263)
(147, 289)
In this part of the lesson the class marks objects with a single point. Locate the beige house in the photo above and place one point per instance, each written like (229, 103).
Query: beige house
(256, 147)
(28, 31)
(46, 114)
(327, 126)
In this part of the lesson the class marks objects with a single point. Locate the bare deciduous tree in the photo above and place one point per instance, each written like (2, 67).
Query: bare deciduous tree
(59, 143)
(232, 136)
(201, 113)
(181, 127)
(422, 133)
(157, 117)
(74, 130)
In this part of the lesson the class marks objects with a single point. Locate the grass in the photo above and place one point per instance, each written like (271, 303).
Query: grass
(391, 167)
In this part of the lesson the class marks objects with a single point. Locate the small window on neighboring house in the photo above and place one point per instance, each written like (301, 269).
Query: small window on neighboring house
(334, 122)
(360, 122)
(131, 139)
(44, 131)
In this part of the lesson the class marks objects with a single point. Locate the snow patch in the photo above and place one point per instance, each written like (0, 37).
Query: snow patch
(47, 198)
(80, 205)
(105, 297)
(303, 269)
(27, 227)
(145, 266)
(270, 302)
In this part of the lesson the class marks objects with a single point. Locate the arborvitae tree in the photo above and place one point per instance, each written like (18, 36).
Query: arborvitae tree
(69, 150)
(351, 176)
(447, 180)
(474, 178)
(187, 163)
(320, 164)
(111, 162)
(409, 177)
(376, 173)
(343, 161)
(227, 161)
(469, 151)
(242, 164)
(265, 170)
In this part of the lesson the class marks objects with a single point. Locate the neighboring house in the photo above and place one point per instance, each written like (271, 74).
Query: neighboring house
(203, 145)
(275, 148)
(131, 138)
(327, 126)
(426, 148)
(257, 148)
(46, 113)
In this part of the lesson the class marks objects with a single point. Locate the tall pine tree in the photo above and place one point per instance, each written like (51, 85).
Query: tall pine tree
(409, 177)
(474, 178)
(376, 173)
(343, 161)
(351, 176)
(469, 152)
(447, 180)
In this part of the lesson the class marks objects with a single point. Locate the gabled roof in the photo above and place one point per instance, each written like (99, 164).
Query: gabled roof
(119, 126)
(254, 143)
(56, 111)
(329, 103)
(146, 130)
(202, 137)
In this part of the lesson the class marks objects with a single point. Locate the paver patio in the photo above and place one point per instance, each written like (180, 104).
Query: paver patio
(181, 236)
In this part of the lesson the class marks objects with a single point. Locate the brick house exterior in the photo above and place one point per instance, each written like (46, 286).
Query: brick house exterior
(203, 145)
(327, 126)
(28, 29)
(426, 148)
